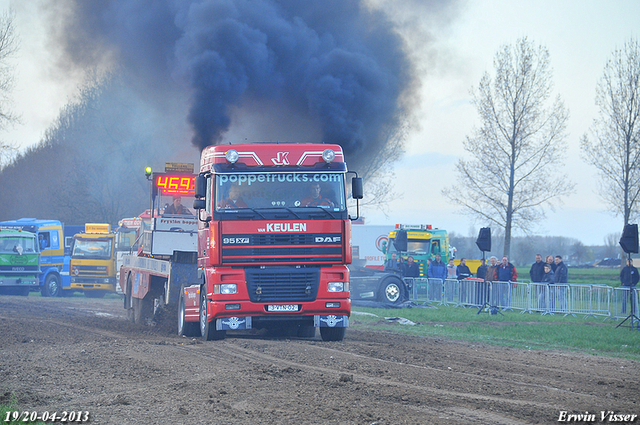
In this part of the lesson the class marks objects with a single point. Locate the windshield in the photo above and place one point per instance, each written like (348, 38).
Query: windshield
(175, 206)
(280, 190)
(17, 244)
(417, 247)
(92, 248)
(125, 239)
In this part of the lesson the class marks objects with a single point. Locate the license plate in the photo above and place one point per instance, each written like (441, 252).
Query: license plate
(286, 307)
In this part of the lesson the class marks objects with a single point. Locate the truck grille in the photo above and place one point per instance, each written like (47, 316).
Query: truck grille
(283, 284)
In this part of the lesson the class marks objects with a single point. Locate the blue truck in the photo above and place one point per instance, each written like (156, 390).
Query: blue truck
(54, 240)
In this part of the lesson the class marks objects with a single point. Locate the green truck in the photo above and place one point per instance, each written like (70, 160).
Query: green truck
(19, 262)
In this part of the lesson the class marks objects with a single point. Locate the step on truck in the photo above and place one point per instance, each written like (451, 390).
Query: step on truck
(273, 243)
(19, 262)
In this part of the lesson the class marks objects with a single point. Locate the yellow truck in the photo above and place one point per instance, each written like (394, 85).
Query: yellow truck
(93, 261)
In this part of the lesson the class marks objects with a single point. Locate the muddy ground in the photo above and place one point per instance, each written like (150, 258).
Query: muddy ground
(78, 354)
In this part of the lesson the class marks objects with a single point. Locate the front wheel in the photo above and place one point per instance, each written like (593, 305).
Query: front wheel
(391, 291)
(332, 334)
(52, 286)
(207, 329)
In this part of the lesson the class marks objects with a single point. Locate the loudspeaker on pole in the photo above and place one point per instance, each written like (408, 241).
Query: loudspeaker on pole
(484, 239)
(400, 241)
(629, 239)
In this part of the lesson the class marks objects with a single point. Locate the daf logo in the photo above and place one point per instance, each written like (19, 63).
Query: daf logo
(234, 241)
(327, 239)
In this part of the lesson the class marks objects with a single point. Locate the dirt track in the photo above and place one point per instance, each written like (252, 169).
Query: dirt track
(81, 354)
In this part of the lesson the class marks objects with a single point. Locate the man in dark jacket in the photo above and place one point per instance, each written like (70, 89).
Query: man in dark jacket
(411, 268)
(463, 269)
(537, 269)
(506, 272)
(561, 277)
(392, 264)
(629, 278)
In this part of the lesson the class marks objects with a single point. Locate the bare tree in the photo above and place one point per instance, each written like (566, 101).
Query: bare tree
(614, 146)
(518, 148)
(8, 47)
(378, 174)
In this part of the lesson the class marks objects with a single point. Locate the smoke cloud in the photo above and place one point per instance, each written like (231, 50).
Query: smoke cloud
(339, 65)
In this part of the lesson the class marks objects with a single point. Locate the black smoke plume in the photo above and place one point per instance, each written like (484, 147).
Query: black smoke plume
(336, 63)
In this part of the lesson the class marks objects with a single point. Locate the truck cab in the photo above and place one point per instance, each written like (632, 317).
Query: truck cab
(423, 243)
(19, 262)
(93, 263)
(54, 259)
(274, 240)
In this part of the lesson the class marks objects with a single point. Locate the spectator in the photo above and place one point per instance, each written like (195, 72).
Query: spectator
(411, 269)
(629, 279)
(437, 269)
(491, 269)
(452, 270)
(537, 270)
(561, 271)
(482, 269)
(561, 276)
(392, 264)
(463, 269)
(548, 276)
(506, 272)
(549, 260)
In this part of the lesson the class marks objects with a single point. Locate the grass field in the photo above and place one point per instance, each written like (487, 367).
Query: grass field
(592, 335)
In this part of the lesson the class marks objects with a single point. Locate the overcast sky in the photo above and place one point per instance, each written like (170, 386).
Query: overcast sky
(580, 36)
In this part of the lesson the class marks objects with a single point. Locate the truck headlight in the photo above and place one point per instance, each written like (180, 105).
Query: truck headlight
(338, 287)
(225, 288)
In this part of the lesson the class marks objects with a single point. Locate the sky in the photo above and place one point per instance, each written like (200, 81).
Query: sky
(580, 37)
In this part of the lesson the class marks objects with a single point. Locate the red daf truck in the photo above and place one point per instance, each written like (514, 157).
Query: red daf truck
(273, 243)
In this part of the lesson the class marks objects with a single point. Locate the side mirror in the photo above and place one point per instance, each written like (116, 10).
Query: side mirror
(199, 204)
(201, 188)
(356, 188)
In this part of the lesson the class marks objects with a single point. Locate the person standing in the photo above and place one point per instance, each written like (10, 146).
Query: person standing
(481, 273)
(561, 277)
(463, 269)
(411, 269)
(452, 270)
(537, 270)
(392, 264)
(438, 272)
(506, 272)
(549, 260)
(629, 279)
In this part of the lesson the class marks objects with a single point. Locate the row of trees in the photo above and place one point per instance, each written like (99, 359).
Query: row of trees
(524, 130)
(524, 248)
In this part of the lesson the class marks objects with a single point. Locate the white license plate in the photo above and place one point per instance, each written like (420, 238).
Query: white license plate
(286, 307)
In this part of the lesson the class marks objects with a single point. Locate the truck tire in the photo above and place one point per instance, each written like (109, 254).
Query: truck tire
(52, 286)
(188, 329)
(332, 334)
(142, 310)
(207, 329)
(391, 290)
